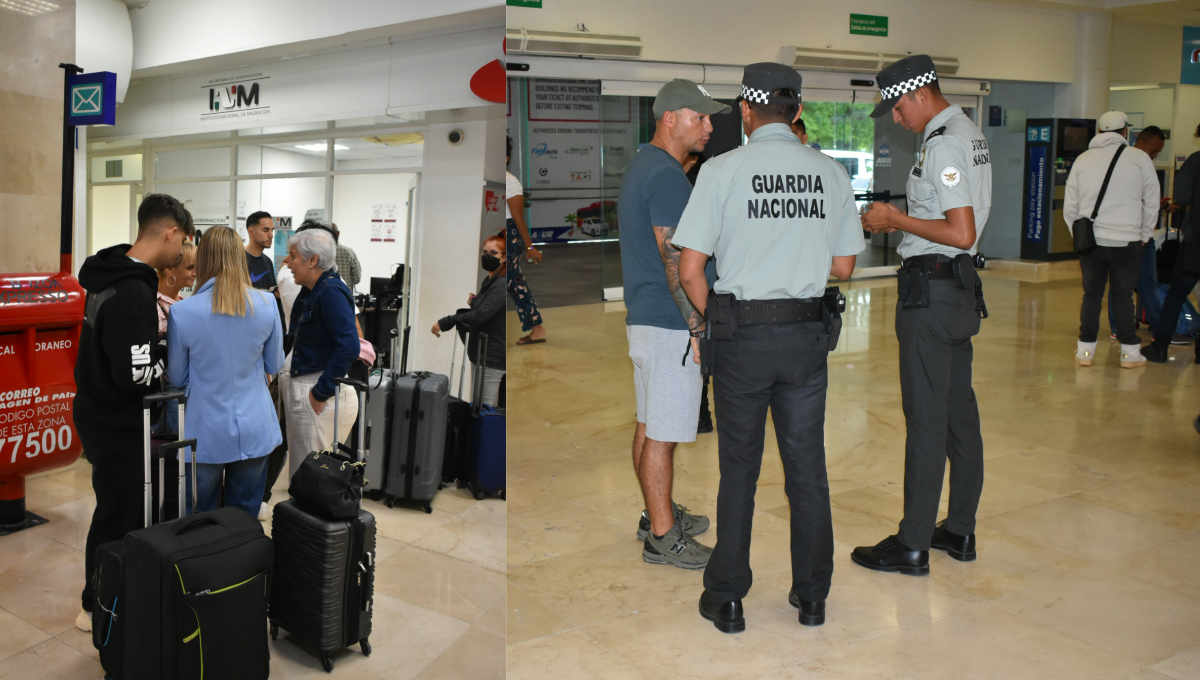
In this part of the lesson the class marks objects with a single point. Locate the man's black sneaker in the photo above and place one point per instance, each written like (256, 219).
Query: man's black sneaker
(1155, 352)
(727, 617)
(811, 613)
(693, 525)
(961, 548)
(892, 555)
(1180, 339)
(705, 426)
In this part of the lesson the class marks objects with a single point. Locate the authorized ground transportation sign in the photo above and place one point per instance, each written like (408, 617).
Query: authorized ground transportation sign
(868, 24)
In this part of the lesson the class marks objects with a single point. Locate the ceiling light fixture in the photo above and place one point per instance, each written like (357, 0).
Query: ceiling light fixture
(31, 7)
(317, 146)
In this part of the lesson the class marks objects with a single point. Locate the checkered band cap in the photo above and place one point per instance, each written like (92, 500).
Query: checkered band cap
(910, 85)
(757, 96)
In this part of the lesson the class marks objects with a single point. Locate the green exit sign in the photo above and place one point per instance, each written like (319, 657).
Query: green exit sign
(525, 3)
(863, 24)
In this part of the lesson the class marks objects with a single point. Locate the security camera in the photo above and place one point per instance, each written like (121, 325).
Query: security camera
(455, 137)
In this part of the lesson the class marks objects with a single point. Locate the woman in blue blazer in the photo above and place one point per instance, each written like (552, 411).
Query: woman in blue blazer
(222, 343)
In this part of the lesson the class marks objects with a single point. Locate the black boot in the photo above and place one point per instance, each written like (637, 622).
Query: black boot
(811, 613)
(1156, 351)
(727, 616)
(961, 548)
(892, 555)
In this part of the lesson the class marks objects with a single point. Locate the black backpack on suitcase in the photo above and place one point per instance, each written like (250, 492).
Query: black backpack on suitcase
(323, 578)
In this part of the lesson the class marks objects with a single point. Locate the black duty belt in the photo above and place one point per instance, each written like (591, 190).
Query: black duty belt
(937, 266)
(787, 310)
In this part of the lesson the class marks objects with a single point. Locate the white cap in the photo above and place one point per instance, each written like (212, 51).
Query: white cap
(1112, 121)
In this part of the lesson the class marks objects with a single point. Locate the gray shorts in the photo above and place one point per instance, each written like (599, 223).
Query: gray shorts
(667, 386)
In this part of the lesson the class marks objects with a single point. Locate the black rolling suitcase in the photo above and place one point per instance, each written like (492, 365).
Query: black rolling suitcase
(188, 597)
(458, 423)
(323, 578)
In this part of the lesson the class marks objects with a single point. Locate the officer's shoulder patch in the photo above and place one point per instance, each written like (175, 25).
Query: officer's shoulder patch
(936, 133)
(950, 176)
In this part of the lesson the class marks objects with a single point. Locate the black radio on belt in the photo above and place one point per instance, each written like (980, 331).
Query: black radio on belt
(834, 300)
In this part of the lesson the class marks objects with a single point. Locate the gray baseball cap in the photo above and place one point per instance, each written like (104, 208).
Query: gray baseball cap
(685, 94)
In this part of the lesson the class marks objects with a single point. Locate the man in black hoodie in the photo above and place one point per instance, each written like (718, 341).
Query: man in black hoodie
(119, 363)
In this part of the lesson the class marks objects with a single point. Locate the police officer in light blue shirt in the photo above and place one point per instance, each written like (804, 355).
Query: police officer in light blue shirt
(940, 306)
(780, 218)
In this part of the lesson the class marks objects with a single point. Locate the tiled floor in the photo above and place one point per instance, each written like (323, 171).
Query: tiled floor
(1089, 530)
(439, 592)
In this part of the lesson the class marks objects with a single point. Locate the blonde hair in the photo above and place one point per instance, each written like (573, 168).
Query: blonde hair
(221, 257)
(186, 257)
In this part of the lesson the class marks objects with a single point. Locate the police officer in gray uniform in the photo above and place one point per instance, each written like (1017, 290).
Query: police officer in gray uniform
(939, 310)
(780, 218)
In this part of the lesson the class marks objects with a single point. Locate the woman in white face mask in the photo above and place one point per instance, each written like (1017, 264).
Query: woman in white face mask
(485, 314)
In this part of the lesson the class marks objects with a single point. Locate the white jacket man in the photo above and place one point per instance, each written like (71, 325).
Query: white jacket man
(1126, 220)
(1129, 211)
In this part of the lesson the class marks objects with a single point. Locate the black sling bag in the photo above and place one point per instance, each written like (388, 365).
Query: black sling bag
(1083, 229)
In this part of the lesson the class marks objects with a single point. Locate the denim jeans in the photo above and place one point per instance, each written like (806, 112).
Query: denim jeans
(1147, 290)
(242, 482)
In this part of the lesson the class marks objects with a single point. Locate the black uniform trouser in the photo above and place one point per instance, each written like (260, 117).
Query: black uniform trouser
(783, 367)
(1120, 268)
(118, 481)
(940, 412)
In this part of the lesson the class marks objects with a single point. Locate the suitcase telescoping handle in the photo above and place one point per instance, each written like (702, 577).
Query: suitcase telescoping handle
(147, 402)
(404, 351)
(361, 389)
(477, 374)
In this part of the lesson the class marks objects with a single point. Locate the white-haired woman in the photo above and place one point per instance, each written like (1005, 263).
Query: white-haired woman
(321, 344)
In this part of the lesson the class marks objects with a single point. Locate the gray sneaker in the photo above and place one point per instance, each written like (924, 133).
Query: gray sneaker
(677, 549)
(693, 525)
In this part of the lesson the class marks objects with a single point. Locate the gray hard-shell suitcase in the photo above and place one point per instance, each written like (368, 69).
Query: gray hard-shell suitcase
(381, 385)
(323, 584)
(379, 429)
(414, 468)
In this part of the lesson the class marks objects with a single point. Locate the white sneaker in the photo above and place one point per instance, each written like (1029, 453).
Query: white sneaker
(84, 621)
(264, 512)
(1085, 354)
(1131, 356)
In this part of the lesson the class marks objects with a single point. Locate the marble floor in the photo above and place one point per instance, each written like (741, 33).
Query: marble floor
(439, 592)
(1089, 527)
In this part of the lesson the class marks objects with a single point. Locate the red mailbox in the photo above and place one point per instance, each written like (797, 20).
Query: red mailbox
(40, 319)
(41, 316)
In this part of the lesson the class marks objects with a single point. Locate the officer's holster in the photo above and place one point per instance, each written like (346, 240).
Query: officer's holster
(834, 303)
(964, 267)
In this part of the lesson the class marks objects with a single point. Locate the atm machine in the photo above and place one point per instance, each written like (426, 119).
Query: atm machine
(1051, 147)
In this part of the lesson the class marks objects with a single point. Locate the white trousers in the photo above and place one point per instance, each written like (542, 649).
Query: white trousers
(307, 431)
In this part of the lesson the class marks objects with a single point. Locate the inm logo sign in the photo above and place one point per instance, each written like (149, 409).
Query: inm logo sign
(232, 96)
(235, 96)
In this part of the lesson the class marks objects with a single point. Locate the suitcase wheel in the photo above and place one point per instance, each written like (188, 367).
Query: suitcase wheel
(480, 495)
(502, 495)
(365, 646)
(459, 484)
(428, 508)
(274, 631)
(327, 663)
(391, 502)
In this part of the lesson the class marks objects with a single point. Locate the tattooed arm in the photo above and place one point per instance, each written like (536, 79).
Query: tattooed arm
(670, 259)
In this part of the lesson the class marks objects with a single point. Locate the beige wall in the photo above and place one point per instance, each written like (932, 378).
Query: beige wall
(31, 87)
(1145, 52)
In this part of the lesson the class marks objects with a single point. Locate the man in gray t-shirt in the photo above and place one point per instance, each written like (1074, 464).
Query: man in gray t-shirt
(654, 192)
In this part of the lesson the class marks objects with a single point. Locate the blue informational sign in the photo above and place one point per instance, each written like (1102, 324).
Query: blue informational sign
(884, 151)
(1189, 67)
(995, 116)
(1036, 189)
(93, 99)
